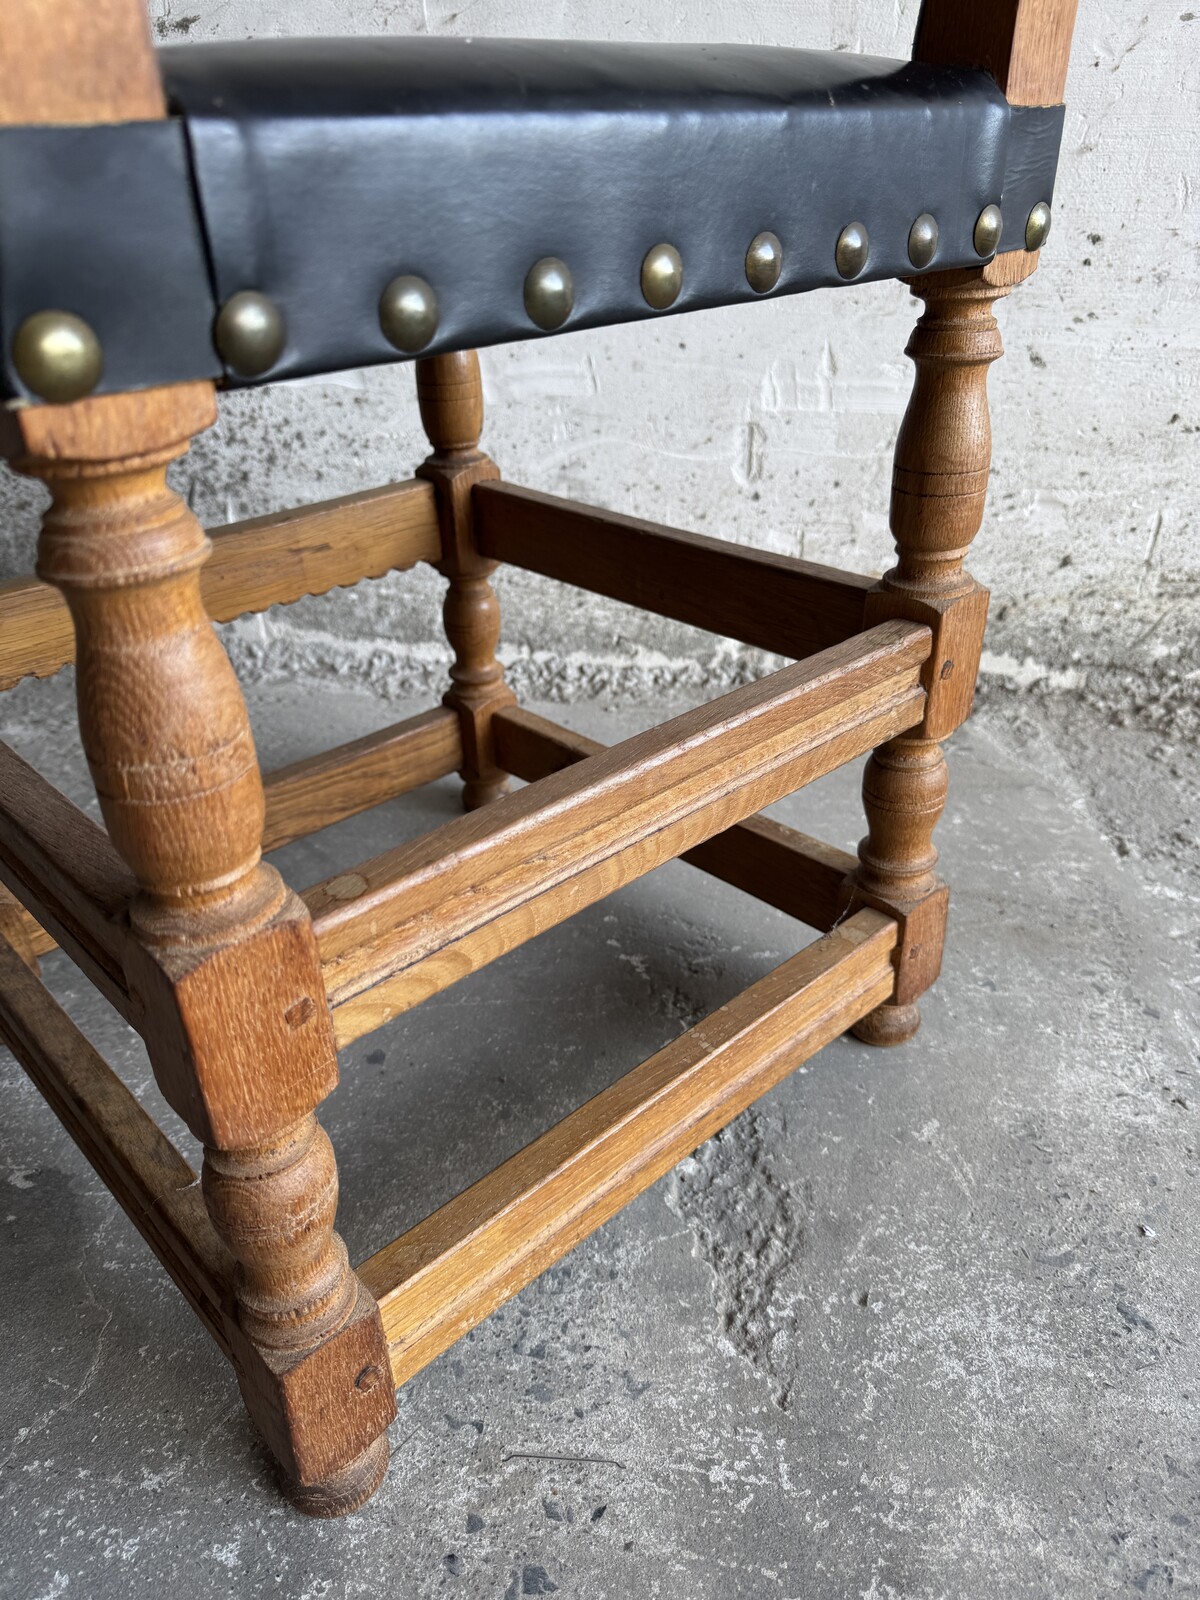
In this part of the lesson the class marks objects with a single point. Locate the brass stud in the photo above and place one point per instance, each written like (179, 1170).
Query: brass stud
(1037, 227)
(923, 240)
(408, 313)
(250, 333)
(988, 228)
(764, 262)
(851, 250)
(662, 276)
(549, 293)
(57, 356)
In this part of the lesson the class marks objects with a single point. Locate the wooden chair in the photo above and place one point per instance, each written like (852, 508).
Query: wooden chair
(243, 988)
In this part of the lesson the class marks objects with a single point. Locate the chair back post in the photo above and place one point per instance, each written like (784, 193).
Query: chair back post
(90, 61)
(1024, 44)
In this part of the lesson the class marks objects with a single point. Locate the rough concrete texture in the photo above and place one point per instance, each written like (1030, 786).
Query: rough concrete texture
(774, 423)
(920, 1324)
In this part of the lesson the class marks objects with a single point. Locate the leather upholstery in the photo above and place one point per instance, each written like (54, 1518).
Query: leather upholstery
(101, 221)
(323, 168)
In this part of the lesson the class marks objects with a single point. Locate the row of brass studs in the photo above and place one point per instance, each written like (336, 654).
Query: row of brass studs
(58, 356)
(251, 334)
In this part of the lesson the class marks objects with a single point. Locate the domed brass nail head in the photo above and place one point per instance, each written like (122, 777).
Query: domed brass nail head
(851, 250)
(923, 240)
(549, 293)
(1037, 226)
(250, 333)
(988, 228)
(662, 276)
(764, 262)
(408, 313)
(57, 356)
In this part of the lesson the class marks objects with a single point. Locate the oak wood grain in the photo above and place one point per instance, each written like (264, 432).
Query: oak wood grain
(939, 485)
(440, 1279)
(781, 866)
(770, 601)
(300, 798)
(1024, 44)
(62, 866)
(141, 1168)
(264, 561)
(79, 62)
(22, 932)
(338, 783)
(450, 394)
(304, 1402)
(410, 922)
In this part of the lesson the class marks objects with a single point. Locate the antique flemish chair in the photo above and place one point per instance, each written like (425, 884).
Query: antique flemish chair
(239, 214)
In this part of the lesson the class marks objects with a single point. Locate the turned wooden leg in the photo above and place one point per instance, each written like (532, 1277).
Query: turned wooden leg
(904, 793)
(274, 1206)
(224, 960)
(938, 487)
(451, 400)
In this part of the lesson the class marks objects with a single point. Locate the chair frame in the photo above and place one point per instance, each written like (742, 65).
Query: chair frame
(244, 990)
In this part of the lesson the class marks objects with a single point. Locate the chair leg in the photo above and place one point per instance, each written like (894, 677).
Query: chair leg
(223, 956)
(451, 400)
(939, 484)
(904, 793)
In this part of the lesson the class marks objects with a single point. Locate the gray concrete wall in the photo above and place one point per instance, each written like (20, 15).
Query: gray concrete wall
(774, 424)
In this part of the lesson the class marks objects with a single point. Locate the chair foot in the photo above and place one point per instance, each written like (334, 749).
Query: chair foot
(344, 1491)
(888, 1024)
(481, 792)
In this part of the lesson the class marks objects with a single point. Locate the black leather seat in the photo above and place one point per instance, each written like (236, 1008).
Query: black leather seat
(321, 169)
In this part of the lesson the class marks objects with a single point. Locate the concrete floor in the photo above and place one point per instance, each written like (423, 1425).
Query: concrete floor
(922, 1323)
